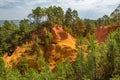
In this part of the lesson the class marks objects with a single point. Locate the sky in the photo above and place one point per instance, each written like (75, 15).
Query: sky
(93, 9)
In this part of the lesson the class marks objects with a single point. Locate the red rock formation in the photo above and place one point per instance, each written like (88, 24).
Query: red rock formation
(102, 32)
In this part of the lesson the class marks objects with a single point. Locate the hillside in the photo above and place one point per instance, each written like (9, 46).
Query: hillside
(62, 46)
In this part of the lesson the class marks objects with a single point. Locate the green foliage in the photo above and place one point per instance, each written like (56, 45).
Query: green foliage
(8, 74)
(24, 26)
(85, 67)
(101, 63)
(55, 15)
(113, 53)
(6, 30)
(78, 27)
(78, 67)
(37, 14)
(64, 71)
(73, 22)
(68, 18)
(22, 66)
(41, 60)
(11, 35)
(49, 37)
(2, 69)
(90, 26)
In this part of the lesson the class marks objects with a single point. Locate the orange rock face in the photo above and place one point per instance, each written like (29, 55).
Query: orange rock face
(61, 47)
(64, 47)
(18, 53)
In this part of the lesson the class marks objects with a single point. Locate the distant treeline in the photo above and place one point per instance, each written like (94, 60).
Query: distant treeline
(13, 21)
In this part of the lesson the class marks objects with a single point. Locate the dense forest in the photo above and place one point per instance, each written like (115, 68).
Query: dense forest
(101, 62)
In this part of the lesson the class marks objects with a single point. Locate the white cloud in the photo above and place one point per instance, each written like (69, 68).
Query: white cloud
(86, 8)
(5, 2)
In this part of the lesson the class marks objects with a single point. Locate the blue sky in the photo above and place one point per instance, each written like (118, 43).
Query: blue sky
(93, 9)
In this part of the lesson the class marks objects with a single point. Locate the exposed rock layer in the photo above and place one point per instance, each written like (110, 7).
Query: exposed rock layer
(61, 47)
(103, 31)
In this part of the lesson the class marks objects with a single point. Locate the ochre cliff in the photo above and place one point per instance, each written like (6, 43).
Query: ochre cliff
(62, 46)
